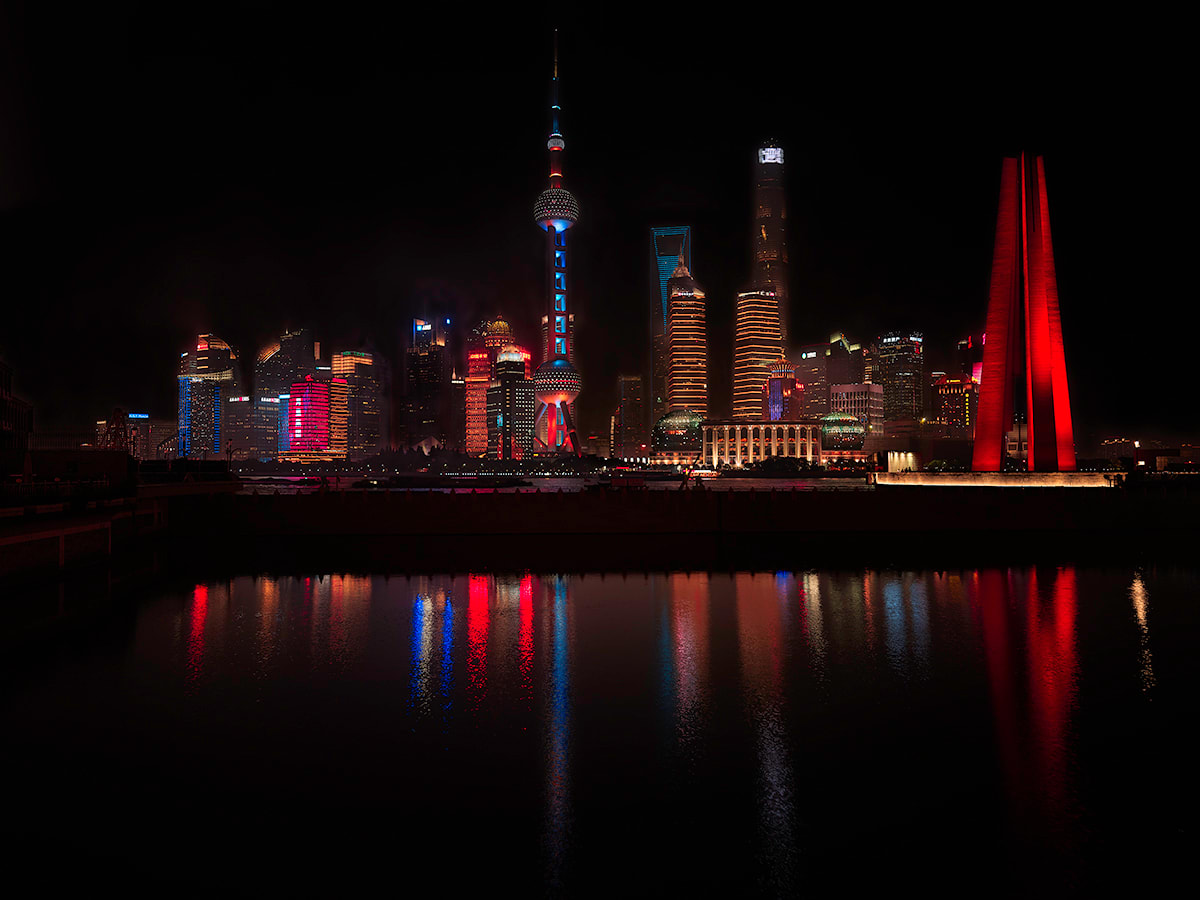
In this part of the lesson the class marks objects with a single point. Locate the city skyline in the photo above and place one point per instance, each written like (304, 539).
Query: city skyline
(247, 263)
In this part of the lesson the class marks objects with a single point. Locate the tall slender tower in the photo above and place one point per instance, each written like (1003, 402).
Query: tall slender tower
(770, 231)
(687, 343)
(1024, 382)
(556, 382)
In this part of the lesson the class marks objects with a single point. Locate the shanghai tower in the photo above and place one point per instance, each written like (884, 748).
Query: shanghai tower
(770, 272)
(556, 381)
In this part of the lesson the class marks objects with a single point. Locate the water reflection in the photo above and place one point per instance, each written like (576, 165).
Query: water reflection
(1141, 609)
(687, 666)
(558, 743)
(1032, 697)
(760, 641)
(760, 676)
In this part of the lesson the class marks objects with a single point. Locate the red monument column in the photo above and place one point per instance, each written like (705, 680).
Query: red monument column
(1023, 363)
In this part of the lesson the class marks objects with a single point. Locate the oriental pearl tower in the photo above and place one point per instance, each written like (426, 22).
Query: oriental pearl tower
(556, 381)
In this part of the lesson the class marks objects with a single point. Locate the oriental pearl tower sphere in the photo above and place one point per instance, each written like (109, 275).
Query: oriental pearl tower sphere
(556, 381)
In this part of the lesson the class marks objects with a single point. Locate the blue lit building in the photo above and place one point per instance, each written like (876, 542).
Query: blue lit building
(208, 379)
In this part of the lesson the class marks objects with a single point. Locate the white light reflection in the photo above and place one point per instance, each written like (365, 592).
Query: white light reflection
(1141, 608)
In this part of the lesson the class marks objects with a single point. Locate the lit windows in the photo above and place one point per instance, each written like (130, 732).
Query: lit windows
(560, 239)
(560, 302)
(560, 324)
(560, 259)
(560, 281)
(560, 347)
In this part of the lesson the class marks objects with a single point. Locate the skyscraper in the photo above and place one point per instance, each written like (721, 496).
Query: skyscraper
(364, 427)
(756, 346)
(557, 382)
(812, 371)
(668, 244)
(955, 405)
(308, 415)
(208, 377)
(486, 341)
(900, 368)
(1024, 370)
(339, 414)
(278, 366)
(687, 343)
(428, 371)
(628, 426)
(770, 232)
(510, 405)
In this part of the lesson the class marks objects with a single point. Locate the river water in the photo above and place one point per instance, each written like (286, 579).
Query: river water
(978, 731)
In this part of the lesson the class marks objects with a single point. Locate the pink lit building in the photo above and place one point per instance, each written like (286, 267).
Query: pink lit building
(308, 415)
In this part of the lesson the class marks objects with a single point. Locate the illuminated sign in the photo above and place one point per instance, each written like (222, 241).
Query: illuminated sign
(771, 155)
(139, 415)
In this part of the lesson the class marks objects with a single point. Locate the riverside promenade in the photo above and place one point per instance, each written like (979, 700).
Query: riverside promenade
(601, 529)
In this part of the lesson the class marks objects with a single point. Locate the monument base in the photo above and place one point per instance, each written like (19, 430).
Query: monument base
(1000, 479)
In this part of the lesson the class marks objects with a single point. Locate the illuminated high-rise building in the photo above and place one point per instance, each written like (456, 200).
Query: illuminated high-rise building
(339, 414)
(770, 231)
(756, 346)
(308, 415)
(557, 382)
(364, 426)
(900, 369)
(956, 404)
(208, 377)
(812, 372)
(510, 405)
(278, 366)
(1024, 380)
(687, 343)
(668, 245)
(485, 343)
(782, 396)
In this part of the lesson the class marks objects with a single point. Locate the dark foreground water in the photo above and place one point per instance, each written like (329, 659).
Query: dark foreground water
(992, 731)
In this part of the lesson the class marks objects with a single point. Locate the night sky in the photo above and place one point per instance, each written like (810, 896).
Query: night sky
(239, 169)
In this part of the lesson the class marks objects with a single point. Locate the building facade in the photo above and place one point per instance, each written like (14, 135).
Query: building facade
(863, 401)
(737, 442)
(757, 345)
